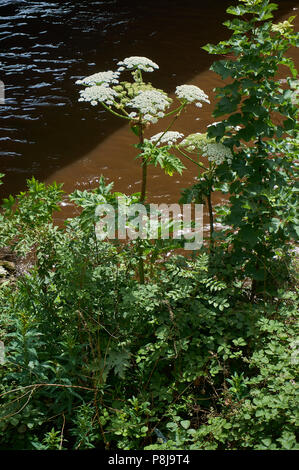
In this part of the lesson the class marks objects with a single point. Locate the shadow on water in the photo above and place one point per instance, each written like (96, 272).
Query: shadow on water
(46, 46)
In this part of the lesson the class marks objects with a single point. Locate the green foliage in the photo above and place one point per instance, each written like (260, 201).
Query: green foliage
(261, 179)
(51, 441)
(200, 355)
(260, 411)
(23, 218)
(161, 156)
(96, 360)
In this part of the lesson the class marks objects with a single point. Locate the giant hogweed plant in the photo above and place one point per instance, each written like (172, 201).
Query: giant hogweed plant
(141, 104)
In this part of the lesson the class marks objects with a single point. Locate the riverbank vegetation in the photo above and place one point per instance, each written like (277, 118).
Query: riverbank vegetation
(139, 345)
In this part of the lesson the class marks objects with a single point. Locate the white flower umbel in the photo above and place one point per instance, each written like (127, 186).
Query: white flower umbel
(100, 78)
(133, 115)
(150, 104)
(137, 63)
(191, 94)
(98, 94)
(217, 153)
(194, 143)
(169, 137)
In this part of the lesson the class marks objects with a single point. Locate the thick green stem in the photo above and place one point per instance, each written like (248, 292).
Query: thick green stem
(115, 113)
(143, 165)
(141, 265)
(176, 110)
(211, 217)
(209, 199)
(191, 159)
(142, 200)
(144, 177)
(209, 177)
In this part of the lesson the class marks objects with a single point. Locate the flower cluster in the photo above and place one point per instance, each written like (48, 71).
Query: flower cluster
(98, 94)
(201, 143)
(151, 104)
(137, 63)
(217, 153)
(190, 94)
(148, 103)
(169, 137)
(195, 143)
(100, 78)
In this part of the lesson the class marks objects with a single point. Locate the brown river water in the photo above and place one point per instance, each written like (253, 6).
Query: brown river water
(47, 46)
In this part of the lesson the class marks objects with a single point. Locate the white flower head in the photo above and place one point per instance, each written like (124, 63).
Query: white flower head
(169, 137)
(98, 94)
(150, 103)
(150, 118)
(136, 62)
(133, 115)
(217, 153)
(100, 78)
(190, 94)
(194, 143)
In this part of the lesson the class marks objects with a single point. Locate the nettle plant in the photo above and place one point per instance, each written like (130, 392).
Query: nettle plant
(260, 180)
